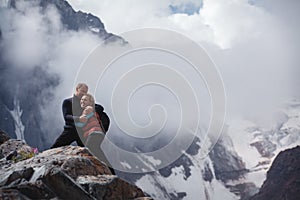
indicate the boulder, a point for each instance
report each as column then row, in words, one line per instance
column 69, row 172
column 109, row 187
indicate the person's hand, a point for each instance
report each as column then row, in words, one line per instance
column 83, row 119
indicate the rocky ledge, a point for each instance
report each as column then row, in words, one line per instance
column 68, row 172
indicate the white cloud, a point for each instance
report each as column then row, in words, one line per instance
column 220, row 22
column 234, row 21
column 253, row 44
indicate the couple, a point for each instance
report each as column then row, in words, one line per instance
column 85, row 122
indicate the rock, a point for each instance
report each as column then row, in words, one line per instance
column 12, row 194
column 243, row 190
column 11, row 145
column 68, row 172
column 3, row 137
column 63, row 185
column 227, row 164
column 207, row 173
column 8, row 177
column 283, row 178
column 265, row 147
column 36, row 190
column 109, row 187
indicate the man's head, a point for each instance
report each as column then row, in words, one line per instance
column 81, row 89
column 87, row 100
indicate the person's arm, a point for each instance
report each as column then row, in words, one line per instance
column 68, row 112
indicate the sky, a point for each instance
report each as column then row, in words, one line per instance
column 253, row 43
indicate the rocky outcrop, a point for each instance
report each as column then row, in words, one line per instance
column 227, row 164
column 68, row 172
column 229, row 168
column 3, row 137
column 283, row 178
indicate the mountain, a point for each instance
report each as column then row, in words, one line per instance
column 237, row 165
column 76, row 21
column 68, row 172
column 283, row 178
column 27, row 89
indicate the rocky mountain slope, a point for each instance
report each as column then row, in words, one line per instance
column 283, row 178
column 68, row 172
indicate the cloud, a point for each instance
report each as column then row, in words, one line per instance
column 254, row 44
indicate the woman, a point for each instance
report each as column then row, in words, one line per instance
column 91, row 128
column 90, row 122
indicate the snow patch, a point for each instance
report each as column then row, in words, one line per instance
column 125, row 165
column 4, row 3
column 16, row 114
column 96, row 30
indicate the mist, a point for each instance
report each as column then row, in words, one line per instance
column 254, row 45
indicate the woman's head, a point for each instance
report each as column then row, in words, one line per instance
column 87, row 100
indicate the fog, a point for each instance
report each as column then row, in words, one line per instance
column 254, row 45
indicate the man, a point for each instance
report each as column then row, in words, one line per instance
column 72, row 113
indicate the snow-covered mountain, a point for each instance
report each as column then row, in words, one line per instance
column 236, row 167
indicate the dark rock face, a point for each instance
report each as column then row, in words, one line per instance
column 227, row 164
column 183, row 161
column 207, row 173
column 108, row 187
column 243, row 190
column 3, row 137
column 265, row 147
column 283, row 178
column 68, row 172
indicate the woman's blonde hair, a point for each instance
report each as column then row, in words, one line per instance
column 91, row 99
